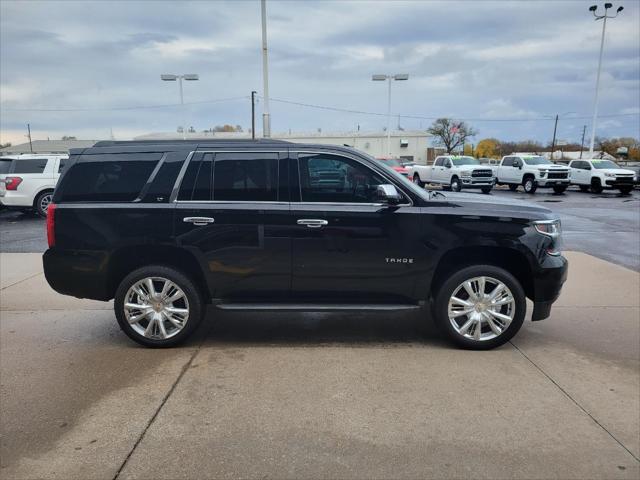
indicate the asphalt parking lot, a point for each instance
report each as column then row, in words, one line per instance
column 326, row 395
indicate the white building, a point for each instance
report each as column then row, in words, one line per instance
column 409, row 145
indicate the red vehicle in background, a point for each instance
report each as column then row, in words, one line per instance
column 395, row 164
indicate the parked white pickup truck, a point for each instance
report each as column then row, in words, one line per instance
column 596, row 175
column 454, row 173
column 532, row 171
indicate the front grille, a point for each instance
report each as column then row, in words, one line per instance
column 558, row 174
column 624, row 179
column 482, row 173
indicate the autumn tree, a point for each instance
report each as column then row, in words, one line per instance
column 488, row 148
column 450, row 133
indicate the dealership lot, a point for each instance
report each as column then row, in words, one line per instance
column 327, row 395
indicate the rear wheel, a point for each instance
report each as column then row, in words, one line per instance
column 417, row 181
column 480, row 307
column 626, row 190
column 41, row 203
column 529, row 184
column 487, row 190
column 560, row 188
column 513, row 187
column 456, row 184
column 584, row 188
column 596, row 186
column 157, row 306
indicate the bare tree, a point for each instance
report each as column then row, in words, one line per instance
column 451, row 133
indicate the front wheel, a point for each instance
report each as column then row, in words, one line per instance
column 456, row 185
column 559, row 189
column 529, row 185
column 417, row 181
column 626, row 190
column 41, row 203
column 596, row 186
column 157, row 306
column 486, row 190
column 480, row 307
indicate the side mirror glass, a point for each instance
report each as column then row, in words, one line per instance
column 447, row 165
column 388, row 194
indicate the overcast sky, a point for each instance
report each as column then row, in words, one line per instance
column 474, row 60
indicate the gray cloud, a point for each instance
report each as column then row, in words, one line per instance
column 507, row 59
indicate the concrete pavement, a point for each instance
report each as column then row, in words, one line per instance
column 319, row 395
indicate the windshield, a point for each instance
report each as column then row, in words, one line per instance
column 536, row 161
column 601, row 164
column 457, row 161
column 392, row 162
column 5, row 165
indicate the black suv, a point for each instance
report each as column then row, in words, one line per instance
column 166, row 227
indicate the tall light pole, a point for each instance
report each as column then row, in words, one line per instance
column 266, row 118
column 167, row 77
column 604, row 17
column 383, row 78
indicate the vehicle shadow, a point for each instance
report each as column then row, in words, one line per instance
column 317, row 329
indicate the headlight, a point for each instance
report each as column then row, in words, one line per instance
column 465, row 174
column 550, row 228
column 610, row 175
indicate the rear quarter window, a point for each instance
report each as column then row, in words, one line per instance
column 5, row 165
column 107, row 178
column 29, row 165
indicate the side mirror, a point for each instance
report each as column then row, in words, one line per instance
column 447, row 165
column 388, row 194
column 588, row 167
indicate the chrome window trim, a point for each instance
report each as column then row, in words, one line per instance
column 234, row 202
column 356, row 159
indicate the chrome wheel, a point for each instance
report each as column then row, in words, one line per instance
column 481, row 308
column 45, row 200
column 156, row 308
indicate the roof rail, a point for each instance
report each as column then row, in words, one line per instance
column 261, row 141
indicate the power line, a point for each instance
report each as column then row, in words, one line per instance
column 136, row 107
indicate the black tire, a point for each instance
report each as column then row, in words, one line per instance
column 596, row 186
column 559, row 189
column 530, row 185
column 487, row 190
column 456, row 184
column 584, row 188
column 195, row 304
column 626, row 190
column 513, row 187
column 42, row 201
column 417, row 181
column 444, row 293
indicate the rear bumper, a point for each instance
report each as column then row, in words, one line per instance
column 548, row 281
column 13, row 199
column 80, row 274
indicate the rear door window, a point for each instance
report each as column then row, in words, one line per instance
column 108, row 178
column 246, row 177
column 29, row 165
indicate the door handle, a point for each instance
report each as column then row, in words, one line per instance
column 199, row 221
column 312, row 222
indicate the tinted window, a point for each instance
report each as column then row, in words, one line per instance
column 61, row 164
column 5, row 165
column 245, row 177
column 507, row 162
column 335, row 179
column 189, row 179
column 30, row 165
column 202, row 188
column 438, row 162
column 114, row 181
column 164, row 181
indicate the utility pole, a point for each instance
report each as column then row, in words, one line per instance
column 29, row 135
column 584, row 130
column 553, row 142
column 266, row 118
column 604, row 17
column 253, row 114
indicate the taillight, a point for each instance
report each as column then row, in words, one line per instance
column 11, row 183
column 51, row 225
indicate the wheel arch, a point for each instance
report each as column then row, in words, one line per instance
column 513, row 261
column 40, row 192
column 127, row 259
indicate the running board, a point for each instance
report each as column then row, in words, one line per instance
column 316, row 307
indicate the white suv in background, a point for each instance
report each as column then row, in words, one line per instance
column 596, row 175
column 27, row 181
